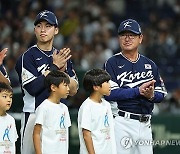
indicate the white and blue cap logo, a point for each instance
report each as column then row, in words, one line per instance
column 48, row 16
column 129, row 25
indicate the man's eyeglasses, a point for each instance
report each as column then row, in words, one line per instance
column 130, row 36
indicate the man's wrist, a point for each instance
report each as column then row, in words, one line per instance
column 46, row 73
column 54, row 67
column 151, row 98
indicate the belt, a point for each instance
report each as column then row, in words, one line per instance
column 141, row 118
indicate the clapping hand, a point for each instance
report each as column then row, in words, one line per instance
column 147, row 89
column 3, row 55
column 60, row 58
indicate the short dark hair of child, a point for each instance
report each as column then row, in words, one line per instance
column 5, row 87
column 95, row 77
column 56, row 77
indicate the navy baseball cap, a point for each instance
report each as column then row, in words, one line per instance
column 48, row 16
column 129, row 25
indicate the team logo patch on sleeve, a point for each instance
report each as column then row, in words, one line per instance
column 162, row 82
column 147, row 66
column 24, row 75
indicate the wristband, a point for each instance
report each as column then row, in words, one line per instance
column 53, row 67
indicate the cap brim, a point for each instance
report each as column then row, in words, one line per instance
column 129, row 30
column 44, row 19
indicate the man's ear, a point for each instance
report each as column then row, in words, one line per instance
column 56, row 30
column 141, row 38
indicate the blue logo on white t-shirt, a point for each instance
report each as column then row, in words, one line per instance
column 106, row 123
column 62, row 121
column 6, row 133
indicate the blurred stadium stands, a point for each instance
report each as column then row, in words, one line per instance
column 89, row 28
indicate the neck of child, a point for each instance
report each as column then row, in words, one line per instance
column 45, row 46
column 54, row 99
column 2, row 113
column 96, row 97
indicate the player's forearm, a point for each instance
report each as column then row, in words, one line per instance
column 35, row 86
column 4, row 79
column 158, row 97
column 73, row 86
column 123, row 94
column 88, row 141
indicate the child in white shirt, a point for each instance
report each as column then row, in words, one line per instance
column 8, row 130
column 50, row 135
column 95, row 119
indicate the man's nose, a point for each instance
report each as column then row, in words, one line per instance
column 43, row 28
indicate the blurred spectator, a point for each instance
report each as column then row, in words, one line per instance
column 10, row 67
column 70, row 24
column 172, row 102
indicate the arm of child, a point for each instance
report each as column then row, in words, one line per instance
column 88, row 141
column 37, row 139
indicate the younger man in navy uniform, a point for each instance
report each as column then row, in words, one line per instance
column 32, row 68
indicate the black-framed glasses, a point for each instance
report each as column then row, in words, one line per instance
column 130, row 36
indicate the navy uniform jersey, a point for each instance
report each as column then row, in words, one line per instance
column 4, row 72
column 30, row 67
column 126, row 77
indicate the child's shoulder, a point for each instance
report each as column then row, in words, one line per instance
column 105, row 102
column 63, row 105
column 9, row 117
column 86, row 103
column 44, row 103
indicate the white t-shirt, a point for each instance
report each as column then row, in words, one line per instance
column 55, row 121
column 8, row 134
column 97, row 118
